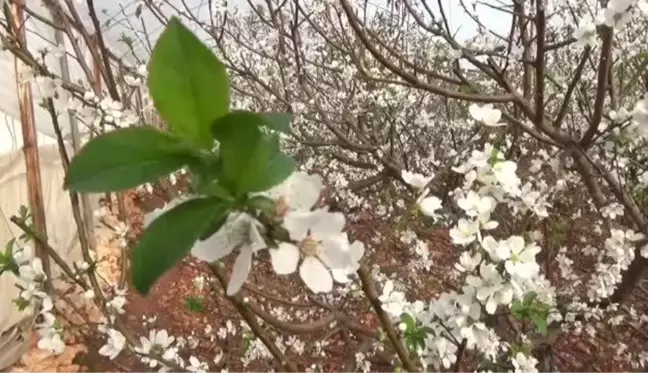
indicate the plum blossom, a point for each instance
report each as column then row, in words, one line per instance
column 465, row 232
column 523, row 363
column 240, row 231
column 51, row 341
column 418, row 181
column 620, row 245
column 159, row 342
column 519, row 260
column 534, row 201
column 31, row 290
column 33, row 271
column 357, row 249
column 196, row 365
column 118, row 301
column 475, row 205
column 320, row 243
column 393, row 302
column 642, row 5
column 616, row 13
column 455, row 54
column 476, row 334
column 489, row 287
column 468, row 306
column 585, row 34
column 429, row 206
column 467, row 262
column 132, row 81
column 22, row 254
column 114, row 345
column 299, row 192
column 48, row 86
column 504, row 172
column 612, row 211
column 486, row 114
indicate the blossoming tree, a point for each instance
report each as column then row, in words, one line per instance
column 503, row 139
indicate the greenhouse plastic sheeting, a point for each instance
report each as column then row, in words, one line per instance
column 62, row 235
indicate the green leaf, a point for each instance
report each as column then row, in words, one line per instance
column 23, row 211
column 9, row 248
column 124, row 159
column 420, row 342
column 204, row 173
column 278, row 121
column 214, row 226
column 251, row 159
column 215, row 189
column 541, row 323
column 530, row 297
column 427, row 330
column 279, row 168
column 188, row 84
column 170, row 237
column 264, row 204
column 409, row 321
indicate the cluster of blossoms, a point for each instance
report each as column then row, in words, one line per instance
column 620, row 252
column 32, row 282
column 158, row 350
column 90, row 109
column 499, row 272
column 496, row 272
column 316, row 244
column 158, row 345
column 616, row 14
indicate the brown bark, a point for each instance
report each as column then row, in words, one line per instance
column 30, row 145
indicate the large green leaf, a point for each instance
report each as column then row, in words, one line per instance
column 125, row 158
column 251, row 159
column 188, row 84
column 170, row 237
column 278, row 121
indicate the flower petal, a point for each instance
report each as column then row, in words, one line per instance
column 304, row 191
column 297, row 223
column 256, row 239
column 326, row 223
column 284, row 258
column 335, row 252
column 357, row 249
column 430, row 205
column 240, row 270
column 213, row 248
column 315, row 275
column 223, row 242
column 340, row 275
column 491, row 306
column 300, row 191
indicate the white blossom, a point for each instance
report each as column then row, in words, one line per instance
column 418, row 181
column 393, row 302
column 486, row 114
column 114, row 345
column 320, row 242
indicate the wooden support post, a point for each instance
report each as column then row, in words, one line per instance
column 88, row 215
column 30, row 143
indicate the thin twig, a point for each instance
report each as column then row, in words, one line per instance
column 369, row 287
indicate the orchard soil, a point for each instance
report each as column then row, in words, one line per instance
column 331, row 348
